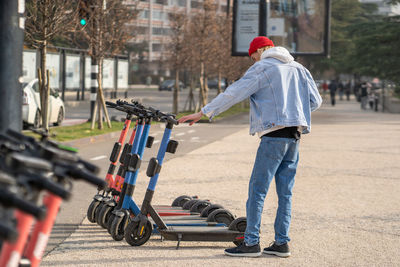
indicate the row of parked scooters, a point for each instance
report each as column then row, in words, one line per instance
column 186, row 219
column 35, row 176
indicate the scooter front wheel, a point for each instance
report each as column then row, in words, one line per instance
column 91, row 212
column 117, row 229
column 135, row 236
column 98, row 210
column 104, row 215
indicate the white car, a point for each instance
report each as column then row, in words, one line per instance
column 31, row 110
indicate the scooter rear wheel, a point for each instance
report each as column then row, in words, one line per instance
column 131, row 233
column 199, row 206
column 221, row 216
column 189, row 204
column 104, row 215
column 238, row 224
column 91, row 212
column 180, row 201
column 210, row 209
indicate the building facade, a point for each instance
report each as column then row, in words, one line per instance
column 152, row 30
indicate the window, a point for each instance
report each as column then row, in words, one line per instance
column 160, row 31
column 142, row 30
column 144, row 14
column 195, row 4
column 160, row 2
column 159, row 15
column 156, row 47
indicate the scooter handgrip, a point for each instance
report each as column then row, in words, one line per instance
column 55, row 188
column 20, row 136
column 79, row 173
column 9, row 199
column 90, row 166
column 8, row 233
column 111, row 104
column 19, row 161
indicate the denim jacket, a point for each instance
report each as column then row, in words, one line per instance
column 282, row 93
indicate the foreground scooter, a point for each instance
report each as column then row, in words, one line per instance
column 139, row 229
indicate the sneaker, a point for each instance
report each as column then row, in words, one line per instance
column 277, row 250
column 244, row 251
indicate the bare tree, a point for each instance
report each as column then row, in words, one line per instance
column 200, row 36
column 177, row 55
column 106, row 34
column 46, row 19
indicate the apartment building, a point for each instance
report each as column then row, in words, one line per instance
column 153, row 27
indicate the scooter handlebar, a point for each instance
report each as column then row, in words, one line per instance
column 8, row 198
column 8, row 233
column 18, row 161
column 111, row 104
column 89, row 166
column 80, row 173
column 50, row 186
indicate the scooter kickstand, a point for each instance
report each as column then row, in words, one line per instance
column 179, row 241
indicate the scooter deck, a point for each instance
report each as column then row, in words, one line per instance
column 185, row 218
column 213, row 234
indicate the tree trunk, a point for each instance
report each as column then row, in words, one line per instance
column 202, row 86
column 176, row 93
column 44, row 88
column 101, row 101
column 219, row 82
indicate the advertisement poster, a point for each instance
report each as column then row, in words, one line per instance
column 245, row 27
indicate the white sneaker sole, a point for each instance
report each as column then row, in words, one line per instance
column 250, row 255
column 279, row 254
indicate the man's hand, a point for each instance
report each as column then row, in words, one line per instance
column 195, row 117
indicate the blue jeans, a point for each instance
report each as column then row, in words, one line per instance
column 275, row 157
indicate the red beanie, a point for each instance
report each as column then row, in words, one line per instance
column 258, row 42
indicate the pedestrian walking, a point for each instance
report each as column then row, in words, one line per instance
column 324, row 89
column 333, row 86
column 347, row 89
column 364, row 95
column 341, row 90
column 282, row 96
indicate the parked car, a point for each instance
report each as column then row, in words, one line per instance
column 213, row 84
column 31, row 110
column 169, row 85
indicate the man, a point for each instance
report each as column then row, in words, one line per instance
column 333, row 86
column 282, row 95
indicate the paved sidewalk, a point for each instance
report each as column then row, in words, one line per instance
column 346, row 199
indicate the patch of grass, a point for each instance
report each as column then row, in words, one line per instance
column 68, row 133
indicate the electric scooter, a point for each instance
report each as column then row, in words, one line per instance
column 115, row 154
column 29, row 163
column 139, row 229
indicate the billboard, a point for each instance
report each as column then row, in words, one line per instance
column 301, row 26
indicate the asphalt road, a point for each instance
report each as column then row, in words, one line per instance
column 78, row 110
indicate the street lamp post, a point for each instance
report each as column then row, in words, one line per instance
column 11, row 42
